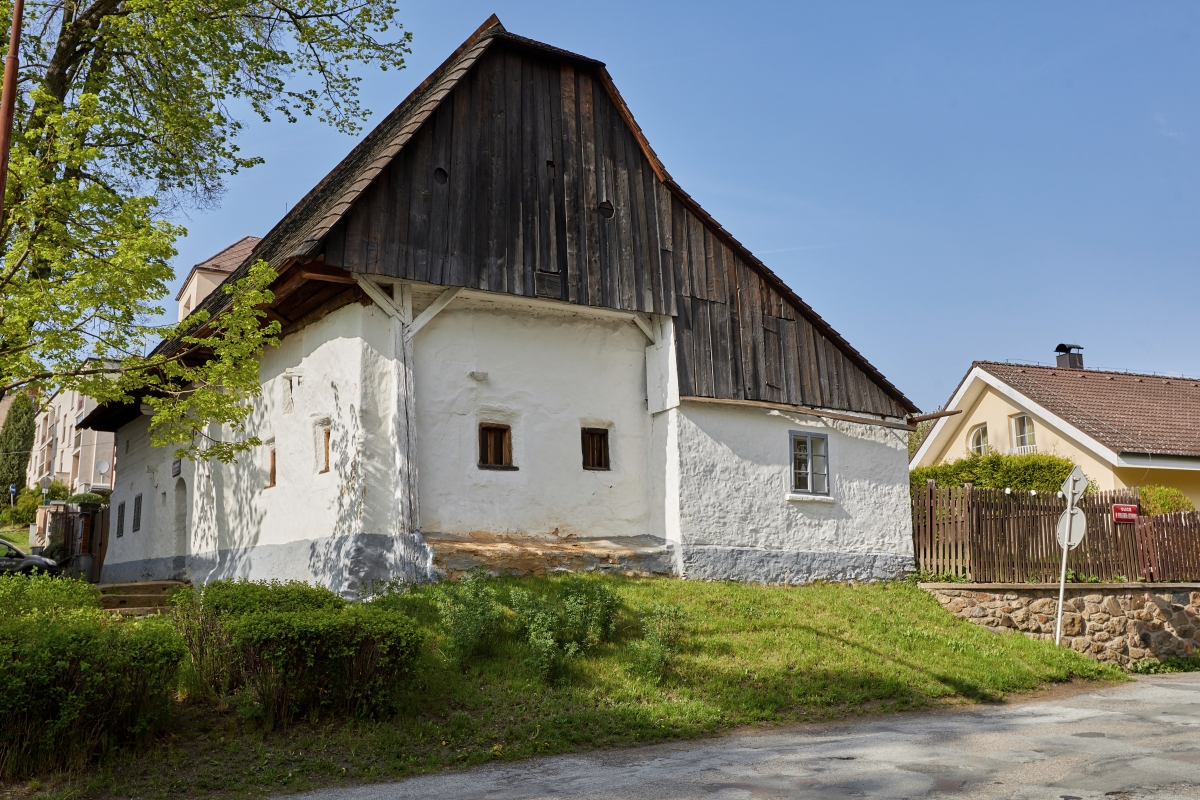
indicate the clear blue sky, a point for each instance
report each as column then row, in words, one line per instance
column 943, row 182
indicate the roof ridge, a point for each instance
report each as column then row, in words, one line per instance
column 1070, row 370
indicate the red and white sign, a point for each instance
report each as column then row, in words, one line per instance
column 1124, row 513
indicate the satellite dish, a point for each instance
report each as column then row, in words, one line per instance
column 102, row 467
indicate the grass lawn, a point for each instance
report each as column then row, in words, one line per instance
column 750, row 655
column 18, row 536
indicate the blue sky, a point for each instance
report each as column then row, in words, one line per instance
column 943, row 182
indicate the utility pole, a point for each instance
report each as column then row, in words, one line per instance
column 8, row 99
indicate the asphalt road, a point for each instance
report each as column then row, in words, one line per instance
column 1129, row 741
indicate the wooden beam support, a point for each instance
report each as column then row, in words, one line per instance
column 376, row 293
column 320, row 272
column 647, row 326
column 937, row 415
column 812, row 412
column 434, row 309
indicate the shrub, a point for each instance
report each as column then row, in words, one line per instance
column 244, row 596
column 201, row 614
column 563, row 625
column 78, row 682
column 298, row 663
column 662, row 628
column 24, row 511
column 87, row 497
column 470, row 615
column 41, row 593
column 1038, row 472
column 1163, row 500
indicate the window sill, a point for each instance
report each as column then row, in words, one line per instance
column 797, row 497
column 498, row 467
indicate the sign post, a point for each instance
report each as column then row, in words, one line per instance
column 12, row 494
column 1072, row 526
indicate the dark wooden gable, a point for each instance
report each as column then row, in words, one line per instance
column 506, row 188
column 502, row 190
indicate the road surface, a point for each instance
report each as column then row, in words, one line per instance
column 1135, row 740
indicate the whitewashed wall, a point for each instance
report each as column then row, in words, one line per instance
column 708, row 481
column 550, row 372
column 335, row 527
column 736, row 520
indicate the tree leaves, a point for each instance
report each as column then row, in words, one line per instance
column 125, row 116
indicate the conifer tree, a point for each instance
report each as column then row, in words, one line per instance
column 16, row 440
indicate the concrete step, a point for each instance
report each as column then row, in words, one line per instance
column 163, row 588
column 133, row 600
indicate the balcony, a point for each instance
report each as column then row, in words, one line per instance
column 1023, row 450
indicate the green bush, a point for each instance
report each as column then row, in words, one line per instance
column 662, row 628
column 77, row 683
column 562, row 625
column 1163, row 500
column 242, row 596
column 1037, row 472
column 87, row 497
column 471, row 617
column 42, row 594
column 297, row 663
column 201, row 614
column 24, row 510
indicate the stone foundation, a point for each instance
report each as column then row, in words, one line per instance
column 1114, row 622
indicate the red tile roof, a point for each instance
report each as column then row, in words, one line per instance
column 226, row 260
column 1126, row 412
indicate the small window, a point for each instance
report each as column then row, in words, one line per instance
column 325, row 462
column 1023, row 431
column 595, row 448
column 120, row 519
column 810, row 463
column 137, row 514
column 495, row 447
column 271, row 470
column 979, row 440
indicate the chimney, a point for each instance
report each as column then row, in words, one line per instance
column 1069, row 357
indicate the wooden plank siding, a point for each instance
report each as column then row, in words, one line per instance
column 501, row 189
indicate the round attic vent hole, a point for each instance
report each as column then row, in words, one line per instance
column 440, row 175
column 607, row 210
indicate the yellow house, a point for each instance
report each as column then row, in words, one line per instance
column 1122, row 428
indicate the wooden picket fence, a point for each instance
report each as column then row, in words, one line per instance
column 999, row 536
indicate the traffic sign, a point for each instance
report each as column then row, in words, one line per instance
column 12, row 488
column 1072, row 526
column 1075, row 483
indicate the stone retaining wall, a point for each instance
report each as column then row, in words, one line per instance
column 1116, row 622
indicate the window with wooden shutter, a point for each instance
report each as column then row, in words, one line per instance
column 495, row 447
column 595, row 448
column 121, row 519
column 325, row 437
column 271, row 470
column 137, row 514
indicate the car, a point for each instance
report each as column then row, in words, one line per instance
column 13, row 560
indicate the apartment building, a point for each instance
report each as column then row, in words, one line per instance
column 82, row 459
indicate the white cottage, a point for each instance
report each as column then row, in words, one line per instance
column 510, row 339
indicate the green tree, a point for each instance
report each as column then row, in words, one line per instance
column 16, row 440
column 127, row 114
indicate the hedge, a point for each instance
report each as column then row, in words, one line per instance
column 1037, row 472
column 41, row 593
column 77, row 682
column 298, row 664
column 1163, row 500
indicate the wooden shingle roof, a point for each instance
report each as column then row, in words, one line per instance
column 785, row 351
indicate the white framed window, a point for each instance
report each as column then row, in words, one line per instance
column 810, row 463
column 1022, row 433
column 978, row 440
